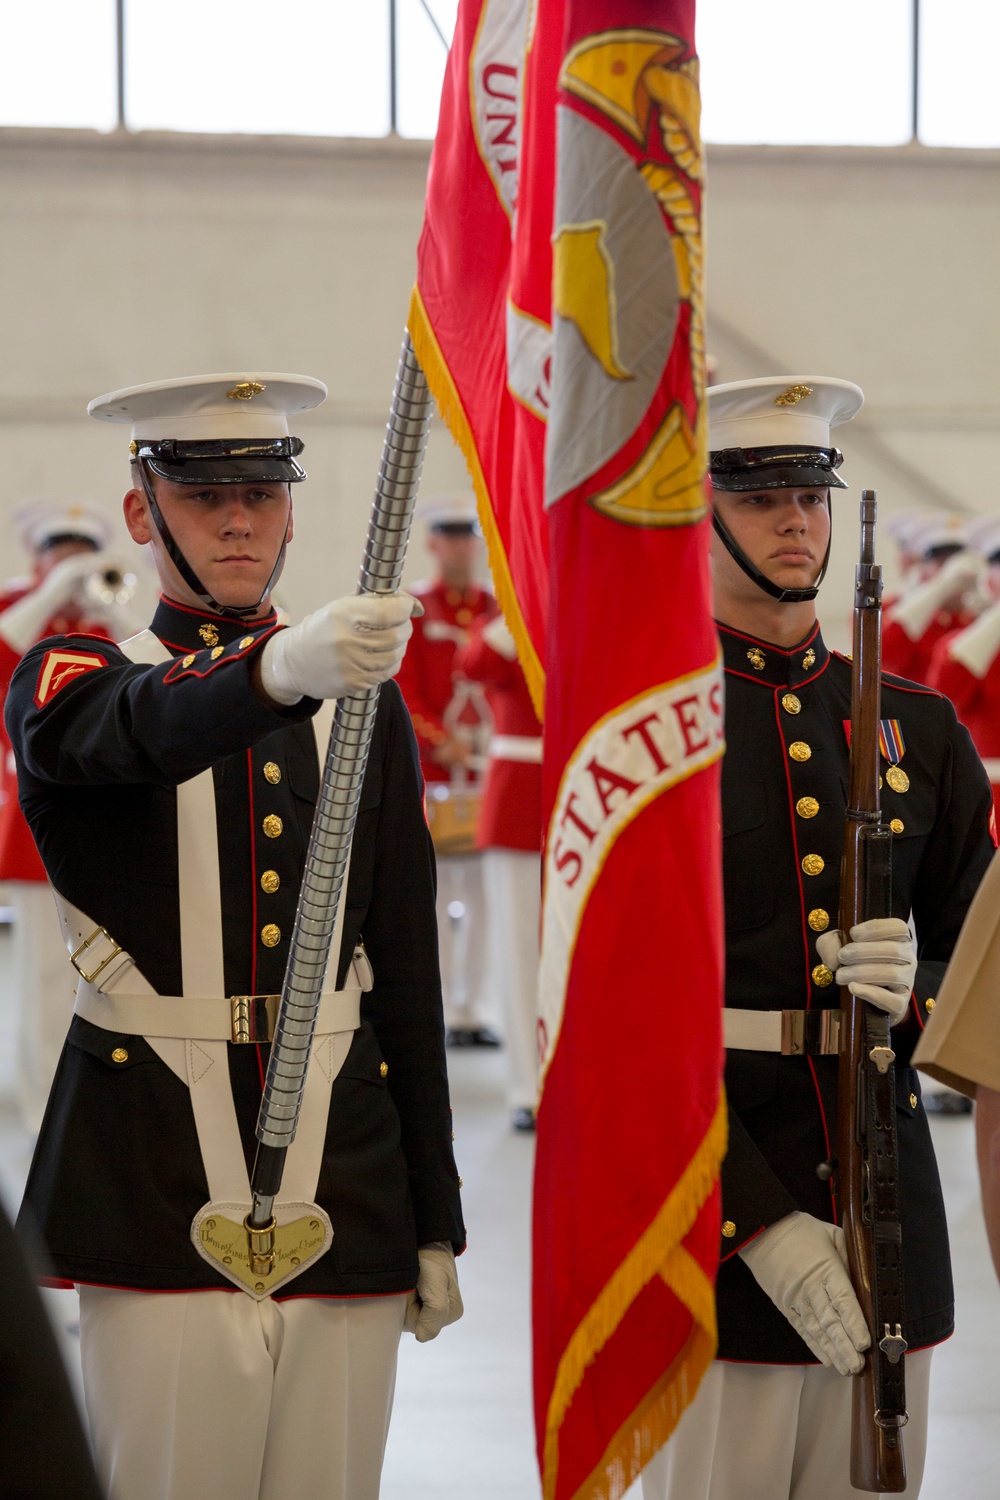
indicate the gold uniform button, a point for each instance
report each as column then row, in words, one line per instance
column 270, row 881
column 929, row 1004
column 247, row 640
column 119, row 1055
column 813, row 864
column 807, row 807
column 217, row 652
column 383, row 1069
column 461, row 1182
column 913, row 1101
column 188, row 660
column 897, row 779
column 729, row 1229
column 798, row 750
column 270, row 935
column 791, row 704
column 822, row 976
column 272, row 826
column 272, row 772
column 897, row 825
column 818, row 919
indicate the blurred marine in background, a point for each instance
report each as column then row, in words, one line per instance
column 68, row 592
column 451, row 723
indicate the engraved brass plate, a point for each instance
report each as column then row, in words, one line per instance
column 227, row 1242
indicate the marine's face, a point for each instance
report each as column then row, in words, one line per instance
column 456, row 555
column 230, row 534
column 785, row 533
column 48, row 557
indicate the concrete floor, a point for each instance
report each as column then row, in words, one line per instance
column 462, row 1425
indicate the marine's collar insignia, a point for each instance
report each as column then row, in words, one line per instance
column 792, row 395
column 756, row 658
column 809, row 660
column 209, row 634
column 246, row 390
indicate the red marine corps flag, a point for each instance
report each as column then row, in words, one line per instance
column 559, row 317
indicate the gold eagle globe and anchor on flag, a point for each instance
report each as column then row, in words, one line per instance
column 567, row 355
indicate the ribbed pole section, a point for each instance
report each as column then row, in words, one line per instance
column 340, row 793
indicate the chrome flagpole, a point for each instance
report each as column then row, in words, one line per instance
column 336, row 813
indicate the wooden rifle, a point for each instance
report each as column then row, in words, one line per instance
column 867, row 1173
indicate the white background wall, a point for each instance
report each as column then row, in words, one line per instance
column 124, row 260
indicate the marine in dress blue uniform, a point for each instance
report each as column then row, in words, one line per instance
column 106, row 746
column 770, row 1420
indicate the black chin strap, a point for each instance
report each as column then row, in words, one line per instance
column 783, row 596
column 190, row 577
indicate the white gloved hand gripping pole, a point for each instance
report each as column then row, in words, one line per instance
column 336, row 813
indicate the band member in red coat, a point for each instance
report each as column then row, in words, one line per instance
column 942, row 599
column 965, row 665
column 65, row 544
column 510, row 836
column 451, row 724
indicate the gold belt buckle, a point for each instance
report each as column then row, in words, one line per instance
column 793, row 1033
column 253, row 1017
column 95, row 936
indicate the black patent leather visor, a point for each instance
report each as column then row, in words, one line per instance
column 776, row 468
column 224, row 460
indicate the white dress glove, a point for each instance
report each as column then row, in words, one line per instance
column 919, row 605
column 801, row 1263
column 437, row 1300
column 878, row 964
column 346, row 647
column 22, row 624
column 976, row 647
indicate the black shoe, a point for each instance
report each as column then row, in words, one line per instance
column 485, row 1036
column 947, row 1102
column 523, row 1119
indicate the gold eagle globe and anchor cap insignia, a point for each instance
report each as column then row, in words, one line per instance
column 627, row 281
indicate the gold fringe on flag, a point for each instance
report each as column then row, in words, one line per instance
column 449, row 404
column 658, row 1252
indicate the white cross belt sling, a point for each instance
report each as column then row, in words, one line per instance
column 191, row 1034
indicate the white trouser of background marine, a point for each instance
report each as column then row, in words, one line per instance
column 512, row 881
column 461, row 919
column 44, row 986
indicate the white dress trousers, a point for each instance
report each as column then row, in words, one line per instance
column 513, row 882
column 45, row 988
column 270, row 1400
column 777, row 1432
